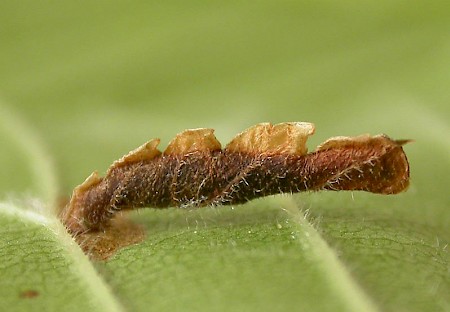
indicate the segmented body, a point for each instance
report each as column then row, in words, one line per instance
column 206, row 176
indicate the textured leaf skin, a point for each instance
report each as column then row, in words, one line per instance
column 38, row 270
column 387, row 256
column 93, row 80
column 249, row 258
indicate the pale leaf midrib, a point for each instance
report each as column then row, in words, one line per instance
column 41, row 164
column 353, row 296
column 81, row 266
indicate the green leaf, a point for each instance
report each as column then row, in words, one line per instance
column 27, row 167
column 42, row 269
column 83, row 83
column 258, row 257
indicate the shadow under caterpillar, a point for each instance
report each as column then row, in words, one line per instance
column 263, row 160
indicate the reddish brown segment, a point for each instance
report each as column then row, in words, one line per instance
column 29, row 294
column 228, row 176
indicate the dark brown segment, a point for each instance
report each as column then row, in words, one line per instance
column 222, row 177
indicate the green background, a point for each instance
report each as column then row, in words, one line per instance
column 82, row 83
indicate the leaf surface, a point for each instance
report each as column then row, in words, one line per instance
column 43, row 269
column 83, row 83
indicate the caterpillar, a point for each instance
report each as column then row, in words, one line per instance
column 263, row 160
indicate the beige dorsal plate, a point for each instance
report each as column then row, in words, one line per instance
column 283, row 138
column 79, row 191
column 146, row 151
column 90, row 181
column 343, row 141
column 193, row 140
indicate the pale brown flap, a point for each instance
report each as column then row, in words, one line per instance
column 193, row 140
column 283, row 138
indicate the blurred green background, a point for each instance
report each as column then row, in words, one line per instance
column 95, row 79
column 91, row 80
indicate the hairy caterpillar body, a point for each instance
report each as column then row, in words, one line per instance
column 263, row 160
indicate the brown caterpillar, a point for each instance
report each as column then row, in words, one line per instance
column 263, row 160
